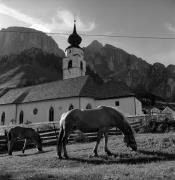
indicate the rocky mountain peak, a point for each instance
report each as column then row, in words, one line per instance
column 95, row 46
column 14, row 40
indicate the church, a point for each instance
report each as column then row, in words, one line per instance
column 46, row 102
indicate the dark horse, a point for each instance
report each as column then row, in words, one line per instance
column 100, row 120
column 23, row 133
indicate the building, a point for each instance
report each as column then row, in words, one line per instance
column 155, row 111
column 46, row 102
column 169, row 112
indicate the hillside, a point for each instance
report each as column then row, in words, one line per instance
column 112, row 63
column 32, row 66
column 14, row 40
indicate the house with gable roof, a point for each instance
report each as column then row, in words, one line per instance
column 169, row 112
column 46, row 102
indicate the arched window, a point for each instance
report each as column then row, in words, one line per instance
column 21, row 117
column 51, row 114
column 35, row 111
column 3, row 118
column 81, row 65
column 88, row 106
column 70, row 64
column 71, row 107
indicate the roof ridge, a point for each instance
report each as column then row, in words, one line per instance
column 36, row 85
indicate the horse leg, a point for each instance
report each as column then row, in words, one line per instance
column 24, row 147
column 64, row 145
column 59, row 143
column 10, row 146
column 99, row 136
column 106, row 142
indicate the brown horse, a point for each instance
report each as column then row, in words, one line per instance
column 100, row 120
column 23, row 133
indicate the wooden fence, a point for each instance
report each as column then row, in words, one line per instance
column 50, row 130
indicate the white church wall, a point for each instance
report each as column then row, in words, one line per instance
column 138, row 107
column 85, row 101
column 126, row 104
column 59, row 105
column 10, row 113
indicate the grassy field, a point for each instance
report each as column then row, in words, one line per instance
column 155, row 159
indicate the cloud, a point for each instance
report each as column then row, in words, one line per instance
column 170, row 27
column 61, row 21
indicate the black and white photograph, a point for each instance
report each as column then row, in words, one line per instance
column 87, row 89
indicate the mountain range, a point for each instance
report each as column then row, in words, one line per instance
column 28, row 57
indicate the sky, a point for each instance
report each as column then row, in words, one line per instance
column 143, row 18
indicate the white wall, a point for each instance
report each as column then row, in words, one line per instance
column 59, row 105
column 85, row 101
column 138, row 107
column 10, row 113
column 129, row 105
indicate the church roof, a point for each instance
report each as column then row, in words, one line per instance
column 84, row 86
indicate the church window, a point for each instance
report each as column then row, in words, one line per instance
column 35, row 111
column 21, row 117
column 117, row 103
column 71, row 107
column 51, row 114
column 3, row 118
column 88, row 106
column 70, row 64
column 81, row 65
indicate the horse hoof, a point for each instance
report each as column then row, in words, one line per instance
column 109, row 154
column 93, row 155
column 66, row 156
column 60, row 157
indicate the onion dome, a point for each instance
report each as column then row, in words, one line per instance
column 74, row 39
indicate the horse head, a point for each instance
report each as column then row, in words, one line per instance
column 130, row 141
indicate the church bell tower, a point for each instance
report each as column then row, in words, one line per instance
column 74, row 64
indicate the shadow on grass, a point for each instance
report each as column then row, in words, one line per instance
column 38, row 152
column 125, row 159
column 24, row 155
column 5, row 176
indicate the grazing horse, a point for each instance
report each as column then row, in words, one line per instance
column 23, row 133
column 100, row 120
